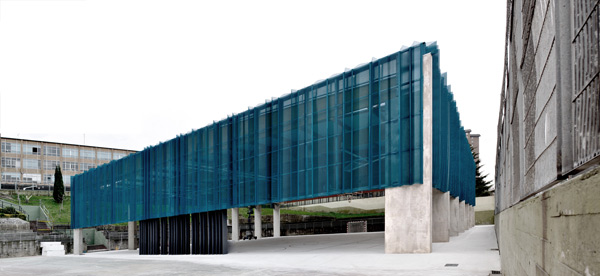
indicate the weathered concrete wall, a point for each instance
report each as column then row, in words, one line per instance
column 17, row 248
column 555, row 232
column 484, row 203
column 16, row 239
column 548, row 131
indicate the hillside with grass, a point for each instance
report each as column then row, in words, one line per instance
column 59, row 213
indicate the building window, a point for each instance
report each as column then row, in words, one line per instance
column 49, row 178
column 11, row 162
column 32, row 178
column 11, row 177
column 11, row 147
column 87, row 154
column 32, row 164
column 32, row 149
column 67, row 180
column 70, row 166
column 51, row 151
column 119, row 155
column 104, row 155
column 86, row 166
column 67, row 152
column 51, row 164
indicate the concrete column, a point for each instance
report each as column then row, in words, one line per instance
column 235, row 224
column 462, row 223
column 258, row 222
column 468, row 211
column 408, row 218
column 441, row 216
column 276, row 221
column 472, row 209
column 454, row 216
column 77, row 242
column 131, row 235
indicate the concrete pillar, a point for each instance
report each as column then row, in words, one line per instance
column 235, row 224
column 462, row 223
column 454, row 216
column 408, row 218
column 468, row 211
column 276, row 221
column 258, row 222
column 131, row 235
column 77, row 242
column 441, row 216
column 472, row 208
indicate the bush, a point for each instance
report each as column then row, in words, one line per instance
column 8, row 210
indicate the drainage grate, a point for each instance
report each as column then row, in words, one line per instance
column 452, row 265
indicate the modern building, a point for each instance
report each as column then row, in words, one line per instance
column 548, row 151
column 390, row 124
column 30, row 164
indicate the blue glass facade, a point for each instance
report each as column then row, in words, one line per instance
column 360, row 130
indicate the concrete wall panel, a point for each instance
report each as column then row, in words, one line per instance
column 555, row 232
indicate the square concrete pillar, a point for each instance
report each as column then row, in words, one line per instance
column 454, row 216
column 131, row 235
column 462, row 224
column 77, row 242
column 472, row 212
column 258, row 222
column 441, row 216
column 276, row 221
column 235, row 224
column 408, row 209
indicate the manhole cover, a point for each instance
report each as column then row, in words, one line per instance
column 451, row 265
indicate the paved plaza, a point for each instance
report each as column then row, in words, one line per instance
column 474, row 251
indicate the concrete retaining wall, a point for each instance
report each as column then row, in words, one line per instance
column 554, row 233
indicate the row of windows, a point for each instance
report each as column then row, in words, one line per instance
column 10, row 147
column 32, row 178
column 12, row 162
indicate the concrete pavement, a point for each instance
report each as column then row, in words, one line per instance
column 474, row 251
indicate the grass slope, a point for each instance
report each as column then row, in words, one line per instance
column 60, row 213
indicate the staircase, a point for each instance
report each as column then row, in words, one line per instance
column 40, row 226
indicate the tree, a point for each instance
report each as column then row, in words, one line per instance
column 59, row 187
column 482, row 187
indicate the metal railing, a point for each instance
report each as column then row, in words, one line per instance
column 47, row 215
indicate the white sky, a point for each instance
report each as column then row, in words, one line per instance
column 130, row 74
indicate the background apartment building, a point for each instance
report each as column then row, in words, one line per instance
column 31, row 163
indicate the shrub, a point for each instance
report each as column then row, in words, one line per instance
column 9, row 210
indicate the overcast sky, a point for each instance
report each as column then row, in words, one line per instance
column 130, row 74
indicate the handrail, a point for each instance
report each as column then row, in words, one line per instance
column 46, row 214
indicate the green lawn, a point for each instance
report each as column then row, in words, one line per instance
column 60, row 213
